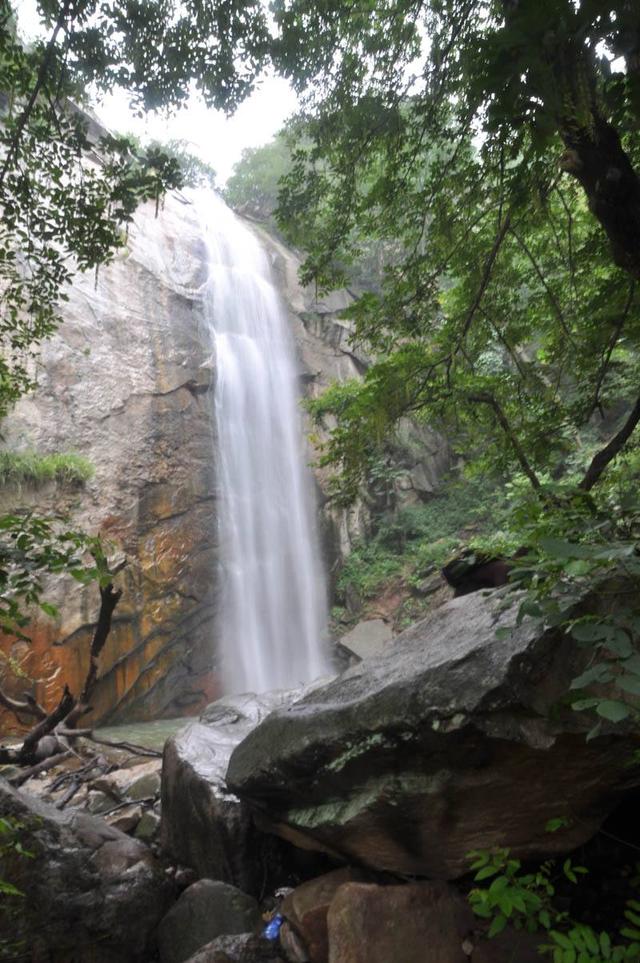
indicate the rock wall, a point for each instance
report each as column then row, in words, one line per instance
column 125, row 382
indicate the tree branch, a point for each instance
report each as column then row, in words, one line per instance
column 23, row 119
column 20, row 778
column 109, row 598
column 602, row 458
column 553, row 301
column 47, row 725
column 487, row 399
column 615, row 337
column 486, row 275
column 28, row 708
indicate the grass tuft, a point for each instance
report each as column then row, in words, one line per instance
column 30, row 468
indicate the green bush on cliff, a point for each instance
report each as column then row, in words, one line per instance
column 31, row 468
column 413, row 540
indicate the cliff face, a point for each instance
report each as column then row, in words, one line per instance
column 125, row 383
column 122, row 383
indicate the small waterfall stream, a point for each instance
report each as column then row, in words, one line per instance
column 272, row 614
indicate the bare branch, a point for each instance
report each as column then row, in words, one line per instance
column 47, row 724
column 487, row 399
column 486, row 275
column 43, row 766
column 89, row 734
column 606, row 455
column 23, row 119
column 28, row 708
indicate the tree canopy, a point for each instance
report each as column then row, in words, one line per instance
column 497, row 142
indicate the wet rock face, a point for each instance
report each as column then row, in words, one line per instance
column 237, row 949
column 446, row 744
column 122, row 383
column 204, row 825
column 125, row 382
column 92, row 892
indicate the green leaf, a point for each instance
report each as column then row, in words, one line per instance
column 581, row 704
column 497, row 925
column 600, row 672
column 563, row 941
column 558, row 548
column 612, row 710
column 594, row 732
column 553, row 825
column 632, row 665
column 8, row 889
column 629, row 683
column 590, row 631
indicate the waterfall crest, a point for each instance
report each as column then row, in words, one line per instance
column 272, row 612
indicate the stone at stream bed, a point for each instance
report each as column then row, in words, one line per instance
column 238, row 949
column 98, row 802
column 203, row 824
column 93, row 893
column 307, row 906
column 367, row 638
column 455, row 740
column 125, row 819
column 206, row 910
column 148, row 826
column 135, row 782
column 398, row 924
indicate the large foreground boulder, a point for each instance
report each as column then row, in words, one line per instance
column 453, row 740
column 204, row 825
column 91, row 894
column 206, row 910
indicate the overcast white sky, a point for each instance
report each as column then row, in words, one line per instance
column 217, row 139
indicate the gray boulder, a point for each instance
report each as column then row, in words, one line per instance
column 92, row 893
column 203, row 824
column 206, row 910
column 238, row 949
column 454, row 740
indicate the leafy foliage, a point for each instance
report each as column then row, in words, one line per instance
column 10, row 833
column 507, row 314
column 527, row 900
column 410, row 542
column 579, row 554
column 254, row 184
column 30, row 548
column 66, row 196
column 194, row 171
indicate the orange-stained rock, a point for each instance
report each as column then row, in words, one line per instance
column 122, row 383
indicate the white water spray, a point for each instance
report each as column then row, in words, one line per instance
column 273, row 611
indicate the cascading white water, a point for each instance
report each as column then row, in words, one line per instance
column 273, row 610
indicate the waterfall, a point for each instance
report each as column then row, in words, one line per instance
column 272, row 612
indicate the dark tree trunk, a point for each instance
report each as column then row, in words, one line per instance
column 596, row 158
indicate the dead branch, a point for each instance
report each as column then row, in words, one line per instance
column 89, row 734
column 487, row 399
column 42, row 766
column 61, row 723
column 47, row 725
column 29, row 707
column 109, row 598
column 606, row 455
column 127, row 802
